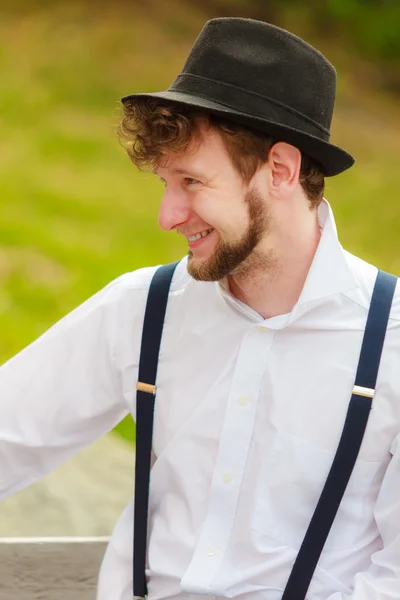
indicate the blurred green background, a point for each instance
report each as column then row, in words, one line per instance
column 74, row 213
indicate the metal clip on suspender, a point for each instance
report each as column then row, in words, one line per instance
column 343, row 463
column 145, row 397
column 350, row 441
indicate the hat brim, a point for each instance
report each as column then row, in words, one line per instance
column 333, row 160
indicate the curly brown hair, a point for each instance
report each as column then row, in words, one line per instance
column 151, row 129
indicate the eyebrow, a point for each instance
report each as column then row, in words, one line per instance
column 194, row 174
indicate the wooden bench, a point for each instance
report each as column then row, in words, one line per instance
column 50, row 568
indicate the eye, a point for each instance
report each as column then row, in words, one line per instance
column 190, row 181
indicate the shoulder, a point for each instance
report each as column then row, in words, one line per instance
column 124, row 298
column 130, row 290
column 140, row 279
column 365, row 276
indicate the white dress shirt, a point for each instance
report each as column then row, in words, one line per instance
column 247, row 421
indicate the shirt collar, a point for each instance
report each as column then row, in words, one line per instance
column 329, row 273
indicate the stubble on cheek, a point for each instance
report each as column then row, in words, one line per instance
column 238, row 257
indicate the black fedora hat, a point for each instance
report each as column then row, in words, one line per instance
column 263, row 77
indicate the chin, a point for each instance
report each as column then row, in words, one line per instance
column 195, row 267
column 201, row 271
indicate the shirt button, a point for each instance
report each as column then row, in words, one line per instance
column 261, row 328
column 243, row 400
column 211, row 550
column 227, row 477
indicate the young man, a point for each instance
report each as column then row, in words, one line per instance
column 260, row 347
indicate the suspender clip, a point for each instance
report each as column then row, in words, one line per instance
column 146, row 387
column 358, row 390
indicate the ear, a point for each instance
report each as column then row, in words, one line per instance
column 284, row 161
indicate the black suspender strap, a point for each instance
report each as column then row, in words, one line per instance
column 350, row 441
column 145, row 398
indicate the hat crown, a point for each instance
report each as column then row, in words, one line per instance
column 263, row 78
column 268, row 61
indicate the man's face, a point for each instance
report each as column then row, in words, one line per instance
column 206, row 200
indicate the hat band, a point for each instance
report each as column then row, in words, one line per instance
column 247, row 103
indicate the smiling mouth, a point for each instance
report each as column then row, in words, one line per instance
column 198, row 236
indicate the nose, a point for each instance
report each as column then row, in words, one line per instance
column 174, row 210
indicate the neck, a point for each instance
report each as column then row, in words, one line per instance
column 271, row 283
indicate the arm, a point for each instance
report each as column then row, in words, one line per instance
column 60, row 393
column 382, row 580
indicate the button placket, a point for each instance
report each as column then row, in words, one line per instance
column 230, row 463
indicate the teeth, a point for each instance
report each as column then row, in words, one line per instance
column 193, row 238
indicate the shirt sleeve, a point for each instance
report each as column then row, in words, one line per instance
column 60, row 393
column 382, row 580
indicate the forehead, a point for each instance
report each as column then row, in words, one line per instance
column 205, row 152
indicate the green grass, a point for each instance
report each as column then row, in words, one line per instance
column 74, row 213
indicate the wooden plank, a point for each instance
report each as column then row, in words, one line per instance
column 50, row 569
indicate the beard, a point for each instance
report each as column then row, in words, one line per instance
column 238, row 258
